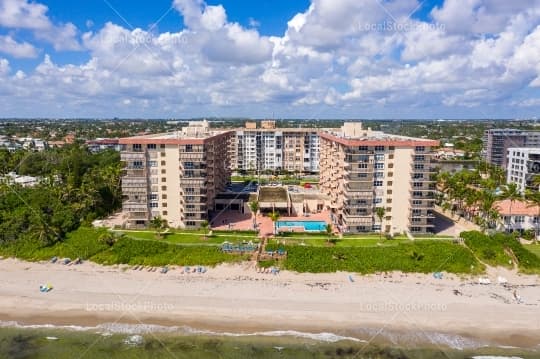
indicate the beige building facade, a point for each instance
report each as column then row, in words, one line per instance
column 361, row 170
column 175, row 175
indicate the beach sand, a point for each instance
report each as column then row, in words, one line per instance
column 235, row 298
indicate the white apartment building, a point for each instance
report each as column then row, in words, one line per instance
column 522, row 164
column 271, row 149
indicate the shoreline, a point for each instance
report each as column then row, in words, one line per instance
column 236, row 299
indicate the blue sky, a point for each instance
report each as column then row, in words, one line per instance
column 299, row 58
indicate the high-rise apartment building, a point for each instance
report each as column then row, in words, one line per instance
column 522, row 165
column 362, row 169
column 175, row 175
column 498, row 141
column 271, row 149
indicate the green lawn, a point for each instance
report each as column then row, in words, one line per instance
column 534, row 248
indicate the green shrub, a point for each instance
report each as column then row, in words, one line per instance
column 497, row 250
column 425, row 257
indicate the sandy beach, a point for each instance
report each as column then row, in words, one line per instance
column 237, row 299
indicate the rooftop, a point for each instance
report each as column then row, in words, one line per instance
column 516, row 208
column 353, row 134
column 273, row 194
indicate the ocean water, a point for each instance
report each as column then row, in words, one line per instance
column 147, row 341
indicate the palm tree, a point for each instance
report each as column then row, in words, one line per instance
column 204, row 225
column 534, row 201
column 274, row 216
column 380, row 212
column 254, row 206
column 536, row 181
column 511, row 192
column 329, row 231
column 158, row 224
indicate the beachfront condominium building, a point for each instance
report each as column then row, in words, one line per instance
column 361, row 170
column 269, row 149
column 496, row 143
column 175, row 175
column 522, row 165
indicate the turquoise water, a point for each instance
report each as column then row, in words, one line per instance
column 307, row 225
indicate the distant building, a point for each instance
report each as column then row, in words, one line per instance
column 449, row 153
column 174, row 175
column 25, row 181
column 268, row 125
column 361, row 170
column 522, row 165
column 498, row 141
column 517, row 216
column 275, row 149
column 102, row 144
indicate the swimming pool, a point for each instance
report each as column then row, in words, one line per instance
column 311, row 226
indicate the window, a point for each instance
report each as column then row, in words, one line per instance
column 164, row 204
column 163, row 154
column 389, row 191
column 388, row 218
column 153, row 197
column 377, row 183
column 390, row 165
column 165, row 213
column 163, row 171
column 519, row 219
column 163, row 179
column 190, row 223
column 362, row 165
column 378, row 175
column 152, row 163
column 417, row 184
column 379, row 166
column 154, row 205
column 377, row 200
column 362, row 148
column 418, row 166
column 151, row 146
column 419, row 158
column 137, row 147
column 189, row 148
column 389, row 200
column 189, row 165
column 379, row 157
column 389, row 183
column 163, row 188
column 163, row 163
column 419, row 148
column 162, row 146
column 417, row 202
column 164, row 196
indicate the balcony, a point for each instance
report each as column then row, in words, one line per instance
column 135, row 207
column 138, row 216
column 132, row 156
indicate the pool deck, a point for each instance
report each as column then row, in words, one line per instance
column 231, row 220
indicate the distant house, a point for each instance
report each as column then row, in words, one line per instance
column 102, row 144
column 517, row 216
column 449, row 153
column 25, row 181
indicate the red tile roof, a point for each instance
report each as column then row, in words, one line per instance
column 519, row 208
